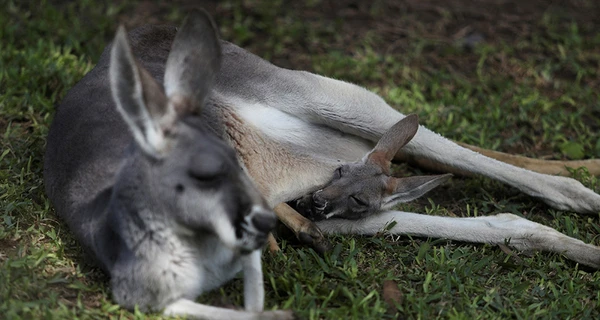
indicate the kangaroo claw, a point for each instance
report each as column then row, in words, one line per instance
column 311, row 235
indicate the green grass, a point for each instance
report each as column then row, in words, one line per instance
column 534, row 92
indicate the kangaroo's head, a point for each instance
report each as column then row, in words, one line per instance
column 360, row 189
column 181, row 176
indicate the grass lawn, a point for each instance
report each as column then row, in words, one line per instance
column 515, row 76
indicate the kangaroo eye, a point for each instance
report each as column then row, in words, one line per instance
column 358, row 201
column 207, row 168
column 205, row 175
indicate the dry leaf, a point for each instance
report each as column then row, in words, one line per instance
column 392, row 294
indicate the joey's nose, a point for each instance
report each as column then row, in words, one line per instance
column 319, row 202
column 264, row 223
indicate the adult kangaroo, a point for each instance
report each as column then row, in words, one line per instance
column 296, row 134
column 147, row 187
column 299, row 134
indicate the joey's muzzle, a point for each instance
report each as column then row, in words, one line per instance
column 312, row 206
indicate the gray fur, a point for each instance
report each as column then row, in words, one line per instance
column 156, row 198
column 363, row 188
column 290, row 131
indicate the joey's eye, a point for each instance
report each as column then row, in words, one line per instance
column 358, row 201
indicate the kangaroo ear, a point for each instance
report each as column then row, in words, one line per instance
column 391, row 141
column 400, row 190
column 193, row 63
column 139, row 98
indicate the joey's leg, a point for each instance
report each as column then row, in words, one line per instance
column 551, row 167
column 559, row 192
column 518, row 232
column 304, row 229
column 431, row 165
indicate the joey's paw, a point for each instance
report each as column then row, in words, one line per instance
column 311, row 235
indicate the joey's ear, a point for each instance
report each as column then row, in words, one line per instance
column 193, row 63
column 139, row 98
column 391, row 141
column 407, row 189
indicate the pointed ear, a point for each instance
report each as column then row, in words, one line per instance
column 193, row 63
column 139, row 98
column 407, row 189
column 391, row 141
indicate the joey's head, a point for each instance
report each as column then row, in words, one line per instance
column 360, row 189
column 193, row 182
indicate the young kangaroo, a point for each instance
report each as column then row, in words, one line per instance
column 145, row 184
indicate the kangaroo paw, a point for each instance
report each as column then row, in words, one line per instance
column 311, row 235
column 305, row 230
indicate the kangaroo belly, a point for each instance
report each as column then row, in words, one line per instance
column 302, row 137
column 286, row 156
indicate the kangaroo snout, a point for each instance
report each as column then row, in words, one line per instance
column 252, row 231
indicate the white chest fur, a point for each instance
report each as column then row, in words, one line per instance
column 286, row 156
column 300, row 136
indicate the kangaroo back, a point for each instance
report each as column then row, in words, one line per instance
column 89, row 140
